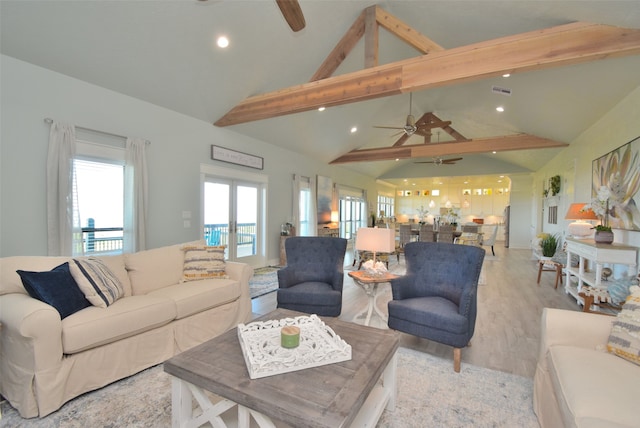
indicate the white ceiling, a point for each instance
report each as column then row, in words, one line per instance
column 164, row 52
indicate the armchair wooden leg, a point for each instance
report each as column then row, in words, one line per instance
column 456, row 359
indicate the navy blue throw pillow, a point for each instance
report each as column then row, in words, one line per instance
column 56, row 288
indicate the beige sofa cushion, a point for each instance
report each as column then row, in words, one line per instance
column 197, row 296
column 581, row 375
column 154, row 269
column 93, row 326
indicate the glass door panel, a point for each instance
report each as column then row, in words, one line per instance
column 232, row 218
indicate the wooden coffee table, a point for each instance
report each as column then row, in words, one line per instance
column 350, row 393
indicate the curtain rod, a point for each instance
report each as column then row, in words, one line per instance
column 50, row 121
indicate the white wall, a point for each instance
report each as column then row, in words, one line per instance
column 619, row 126
column 179, row 145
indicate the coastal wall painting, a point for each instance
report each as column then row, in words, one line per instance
column 325, row 199
column 619, row 170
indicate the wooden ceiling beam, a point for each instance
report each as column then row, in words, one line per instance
column 557, row 46
column 371, row 38
column 342, row 49
column 405, row 33
column 479, row 145
column 367, row 24
column 448, row 128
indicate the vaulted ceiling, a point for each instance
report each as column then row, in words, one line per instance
column 164, row 52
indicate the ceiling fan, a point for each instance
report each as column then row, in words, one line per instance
column 292, row 13
column 410, row 126
column 439, row 161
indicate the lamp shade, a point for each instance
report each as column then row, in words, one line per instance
column 375, row 239
column 580, row 229
column 577, row 212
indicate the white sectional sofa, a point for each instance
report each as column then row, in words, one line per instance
column 577, row 382
column 46, row 361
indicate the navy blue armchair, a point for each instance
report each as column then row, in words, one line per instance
column 437, row 298
column 313, row 279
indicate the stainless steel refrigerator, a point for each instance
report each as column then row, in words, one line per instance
column 507, row 210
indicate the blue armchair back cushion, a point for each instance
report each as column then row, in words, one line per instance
column 316, row 259
column 447, row 277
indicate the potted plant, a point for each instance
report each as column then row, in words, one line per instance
column 549, row 244
column 603, row 235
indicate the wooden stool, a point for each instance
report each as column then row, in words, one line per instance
column 551, row 266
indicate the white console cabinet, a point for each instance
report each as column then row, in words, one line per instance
column 592, row 258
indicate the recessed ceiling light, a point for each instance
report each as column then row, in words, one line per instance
column 506, row 75
column 500, row 109
column 397, row 159
column 321, row 108
column 502, row 176
column 354, row 129
column 494, row 152
column 222, row 42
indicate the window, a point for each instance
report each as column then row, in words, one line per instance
column 553, row 215
column 386, row 206
column 353, row 215
column 99, row 198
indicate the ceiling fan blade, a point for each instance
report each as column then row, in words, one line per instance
column 292, row 13
column 389, row 127
column 452, row 160
column 424, row 162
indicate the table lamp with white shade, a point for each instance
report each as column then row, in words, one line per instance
column 375, row 240
column 580, row 229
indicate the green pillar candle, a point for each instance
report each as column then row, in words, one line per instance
column 290, row 336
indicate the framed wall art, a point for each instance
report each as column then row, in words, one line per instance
column 233, row 156
column 325, row 199
column 619, row 171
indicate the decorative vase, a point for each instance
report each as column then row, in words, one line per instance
column 603, row 237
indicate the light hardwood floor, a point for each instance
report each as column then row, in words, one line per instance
column 509, row 309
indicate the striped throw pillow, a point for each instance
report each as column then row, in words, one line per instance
column 624, row 339
column 98, row 283
column 203, row 262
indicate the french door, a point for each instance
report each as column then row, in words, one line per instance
column 234, row 217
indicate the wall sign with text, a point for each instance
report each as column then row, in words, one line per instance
column 232, row 156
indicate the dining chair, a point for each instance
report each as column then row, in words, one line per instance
column 470, row 228
column 437, row 298
column 405, row 238
column 491, row 240
column 426, row 233
column 445, row 234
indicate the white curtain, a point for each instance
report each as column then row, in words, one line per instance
column 135, row 195
column 63, row 219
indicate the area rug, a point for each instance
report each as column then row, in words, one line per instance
column 430, row 394
column 264, row 281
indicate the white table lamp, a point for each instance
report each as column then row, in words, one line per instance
column 376, row 240
column 580, row 229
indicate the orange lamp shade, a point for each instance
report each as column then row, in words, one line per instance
column 577, row 212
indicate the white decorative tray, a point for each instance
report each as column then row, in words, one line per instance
column 319, row 345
